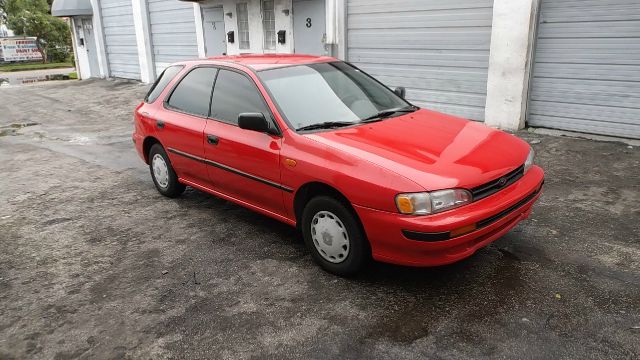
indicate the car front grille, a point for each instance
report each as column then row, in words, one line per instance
column 493, row 186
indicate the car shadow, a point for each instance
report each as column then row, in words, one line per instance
column 495, row 261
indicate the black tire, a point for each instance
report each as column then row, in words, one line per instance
column 173, row 188
column 358, row 254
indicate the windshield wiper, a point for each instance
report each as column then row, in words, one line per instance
column 375, row 117
column 326, row 125
column 388, row 112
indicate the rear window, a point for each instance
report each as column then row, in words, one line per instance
column 167, row 75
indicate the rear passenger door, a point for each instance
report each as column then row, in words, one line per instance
column 182, row 120
column 244, row 164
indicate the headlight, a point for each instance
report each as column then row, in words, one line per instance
column 432, row 202
column 529, row 162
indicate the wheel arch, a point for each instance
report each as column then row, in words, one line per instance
column 312, row 189
column 148, row 142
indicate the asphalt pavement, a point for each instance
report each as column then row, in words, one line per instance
column 94, row 263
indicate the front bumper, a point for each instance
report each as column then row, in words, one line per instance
column 396, row 238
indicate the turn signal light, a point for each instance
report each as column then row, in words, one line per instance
column 462, row 230
column 404, row 205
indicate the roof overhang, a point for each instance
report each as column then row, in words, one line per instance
column 71, row 8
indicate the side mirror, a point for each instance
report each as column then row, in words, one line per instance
column 255, row 122
column 400, row 91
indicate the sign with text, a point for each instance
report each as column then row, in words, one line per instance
column 19, row 49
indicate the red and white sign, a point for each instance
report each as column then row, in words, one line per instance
column 19, row 49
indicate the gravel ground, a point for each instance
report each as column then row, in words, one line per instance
column 94, row 263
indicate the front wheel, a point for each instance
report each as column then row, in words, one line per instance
column 334, row 237
column 162, row 173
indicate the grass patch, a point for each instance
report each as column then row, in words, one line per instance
column 33, row 66
column 73, row 75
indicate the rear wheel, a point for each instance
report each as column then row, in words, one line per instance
column 163, row 175
column 334, row 237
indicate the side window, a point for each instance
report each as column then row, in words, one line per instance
column 167, row 75
column 193, row 93
column 234, row 94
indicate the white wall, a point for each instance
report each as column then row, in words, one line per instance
column 283, row 22
column 341, row 29
column 512, row 36
column 99, row 35
column 143, row 40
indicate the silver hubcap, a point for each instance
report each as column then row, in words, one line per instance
column 330, row 237
column 160, row 170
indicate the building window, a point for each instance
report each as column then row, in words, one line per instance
column 243, row 26
column 269, row 25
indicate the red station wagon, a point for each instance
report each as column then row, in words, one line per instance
column 318, row 144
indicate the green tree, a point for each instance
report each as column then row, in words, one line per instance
column 3, row 14
column 33, row 18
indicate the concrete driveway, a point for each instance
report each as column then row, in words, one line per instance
column 94, row 263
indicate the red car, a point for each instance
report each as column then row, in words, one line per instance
column 318, row 144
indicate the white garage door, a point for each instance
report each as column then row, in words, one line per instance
column 120, row 39
column 586, row 75
column 438, row 50
column 173, row 32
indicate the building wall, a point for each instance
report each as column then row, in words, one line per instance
column 80, row 52
column 283, row 22
column 120, row 38
column 437, row 50
column 510, row 62
column 172, row 28
column 586, row 69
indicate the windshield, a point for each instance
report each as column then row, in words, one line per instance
column 325, row 93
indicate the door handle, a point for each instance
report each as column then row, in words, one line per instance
column 160, row 124
column 212, row 139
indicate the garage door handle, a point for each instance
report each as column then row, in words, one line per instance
column 212, row 139
column 160, row 124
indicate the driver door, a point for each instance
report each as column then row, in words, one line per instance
column 243, row 164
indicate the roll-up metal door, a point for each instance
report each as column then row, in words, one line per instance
column 438, row 50
column 586, row 73
column 173, row 32
column 120, row 39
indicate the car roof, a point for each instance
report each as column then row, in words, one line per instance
column 259, row 62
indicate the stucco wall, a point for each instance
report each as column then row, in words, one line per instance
column 512, row 37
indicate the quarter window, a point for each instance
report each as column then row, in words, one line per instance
column 243, row 26
column 234, row 94
column 193, row 93
column 269, row 25
column 165, row 78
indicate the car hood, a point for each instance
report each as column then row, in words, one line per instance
column 435, row 150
